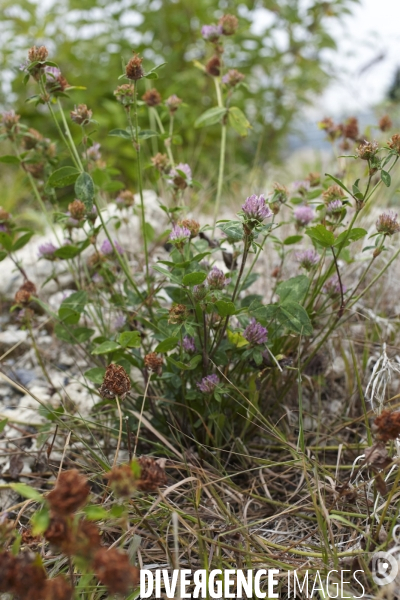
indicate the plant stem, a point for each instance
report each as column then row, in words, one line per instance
column 69, row 136
column 161, row 127
column 136, row 144
column 221, row 156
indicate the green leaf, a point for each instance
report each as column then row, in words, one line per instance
column 22, row 241
column 236, row 339
column 189, row 367
column 194, row 278
column 225, row 309
column 291, row 315
column 6, row 241
column 151, row 75
column 63, row 177
column 292, row 239
column 355, row 234
column 293, row 289
column 385, row 176
column 84, row 190
column 336, row 180
column 232, row 229
column 96, row 375
column 145, row 134
column 166, row 345
column 321, row 235
column 10, row 159
column 3, row 423
column 3, row 255
column 130, row 339
column 106, row 347
column 238, row 121
column 210, row 117
column 122, row 133
column 96, row 513
column 75, row 301
column 68, row 251
column 40, row 521
column 26, row 491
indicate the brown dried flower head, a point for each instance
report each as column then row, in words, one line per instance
column 116, row 382
column 70, row 493
column 333, row 131
column 192, row 225
column 177, row 314
column 58, row 588
column 30, row 578
column 387, row 223
column 385, row 123
column 152, row 474
column 25, row 292
column 387, row 425
column 152, row 97
column 8, row 571
column 77, row 209
column 281, row 193
column 229, row 24
column 125, row 94
column 81, row 114
column 160, row 162
column 4, row 215
column 232, row 78
column 9, row 121
column 333, row 192
column 122, row 481
column 59, row 533
column 113, row 570
column 350, row 129
column 38, row 53
column 31, row 139
column 86, row 539
column 153, row 362
column 134, row 69
column 173, row 103
column 394, row 142
column 367, row 150
column 36, row 169
column 213, row 66
column 125, row 199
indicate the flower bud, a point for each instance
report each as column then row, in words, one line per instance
column 134, row 69
column 160, row 162
column 81, row 114
column 77, row 209
column 152, row 97
column 213, row 67
column 229, row 24
column 125, row 94
column 385, row 123
column 39, row 53
column 173, row 103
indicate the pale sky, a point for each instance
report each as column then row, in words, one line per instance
column 372, row 31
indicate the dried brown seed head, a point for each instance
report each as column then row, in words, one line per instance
column 122, row 481
column 192, row 225
column 23, row 295
column 59, row 533
column 113, row 570
column 70, row 493
column 314, row 179
column 160, row 162
column 385, row 123
column 152, row 97
column 213, row 66
column 116, row 382
column 38, row 53
column 153, row 362
column 125, row 94
column 77, row 209
column 394, row 142
column 387, row 425
column 333, row 192
column 229, row 24
column 350, row 129
column 58, row 589
column 177, row 314
column 125, row 199
column 367, row 150
column 81, row 114
column 35, row 169
column 31, row 139
column 152, row 474
column 134, row 69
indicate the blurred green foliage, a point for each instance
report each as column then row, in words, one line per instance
column 285, row 63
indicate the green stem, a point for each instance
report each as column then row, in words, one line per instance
column 221, row 156
column 69, row 137
column 161, row 127
column 136, row 144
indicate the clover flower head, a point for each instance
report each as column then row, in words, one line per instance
column 301, row 187
column 179, row 234
column 307, row 258
column 255, row 333
column 232, row 78
column 93, row 153
column 47, row 250
column 332, row 286
column 208, row 384
column 304, row 214
column 334, row 207
column 107, row 249
column 256, row 209
column 188, row 344
column 211, row 33
column 387, row 223
column 216, row 279
column 180, row 176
